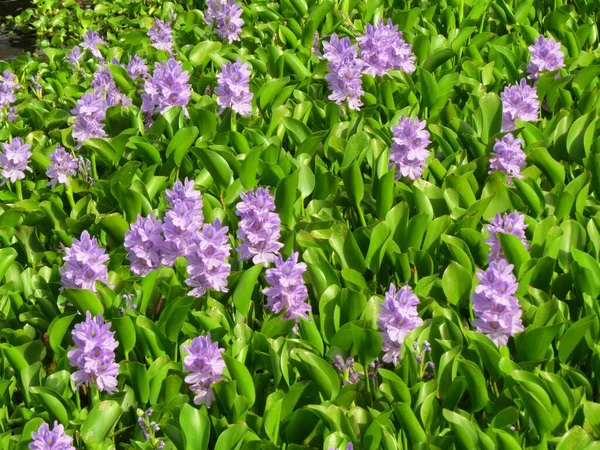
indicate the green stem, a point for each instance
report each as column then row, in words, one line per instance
column 19, row 189
column 233, row 121
column 69, row 192
column 361, row 215
column 94, row 170
column 94, row 395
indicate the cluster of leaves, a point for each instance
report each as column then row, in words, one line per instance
column 356, row 228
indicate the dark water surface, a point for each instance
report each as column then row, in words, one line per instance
column 14, row 42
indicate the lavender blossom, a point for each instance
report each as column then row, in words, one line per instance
column 137, row 68
column 409, row 148
column 55, row 439
column 234, row 88
column 497, row 310
column 182, row 221
column 167, row 87
column 104, row 85
column 508, row 157
column 63, row 166
column 207, row 260
column 85, row 263
column 227, row 16
column 89, row 114
column 315, row 47
column 347, row 370
column 144, row 243
column 519, row 101
column 14, row 160
column 287, row 292
column 161, row 36
column 84, row 168
column 74, row 56
column 8, row 86
column 382, row 49
column 345, row 72
column 398, row 317
column 546, row 56
column 260, row 228
column 205, row 363
column 94, row 354
column 91, row 42
column 513, row 223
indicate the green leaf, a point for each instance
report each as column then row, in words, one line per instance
column 84, row 300
column 513, row 249
column 285, row 198
column 476, row 384
column 57, row 330
column 231, row 437
column 409, row 423
column 242, row 294
column 217, row 167
column 456, row 283
column 322, row 373
column 572, row 336
column 52, row 402
column 7, row 256
column 100, row 421
column 181, row 143
column 195, row 427
column 353, row 182
column 438, row 58
column 533, row 343
column 200, row 54
column 241, row 375
column 463, row 429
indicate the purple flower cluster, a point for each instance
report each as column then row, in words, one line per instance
column 55, row 439
column 137, row 68
column 205, row 363
column 287, row 292
column 182, row 221
column 513, row 223
column 234, row 88
column 149, row 428
column 85, row 263
column 409, row 148
column 398, row 317
column 207, row 260
column 260, row 227
column 227, row 16
column 62, row 167
column 94, row 355
column 144, row 243
column 497, row 310
column 519, row 101
column 91, row 42
column 89, row 114
column 106, row 89
column 546, row 56
column 382, row 49
column 347, row 370
column 8, row 96
column 345, row 72
column 161, row 36
column 74, row 56
column 167, row 87
column 14, row 160
column 509, row 157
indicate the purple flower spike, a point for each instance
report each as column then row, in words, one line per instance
column 91, row 42
column 7, row 89
column 260, row 227
column 64, row 165
column 137, row 68
column 85, row 263
column 207, row 260
column 205, row 363
column 234, row 88
column 497, row 310
column 398, row 317
column 89, row 114
column 227, row 16
column 409, row 148
column 94, row 354
column 513, row 223
column 144, row 243
column 546, row 56
column 345, row 71
column 167, row 87
column 519, row 101
column 55, row 439
column 161, row 36
column 287, row 292
column 14, row 160
column 74, row 56
column 509, row 157
column 382, row 49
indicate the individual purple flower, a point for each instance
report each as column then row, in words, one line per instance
column 94, row 354
column 234, row 88
column 167, row 87
column 137, row 68
column 226, row 15
column 105, row 87
column 287, row 292
column 182, row 221
column 144, row 243
column 398, row 316
column 519, row 101
column 74, row 56
column 382, row 49
column 55, row 439
column 347, row 370
column 91, row 42
column 8, row 87
column 64, row 165
column 315, row 47
column 259, row 228
column 204, row 362
column 85, row 263
column 497, row 310
column 513, row 223
column 161, row 36
column 509, row 157
column 409, row 148
column 546, row 56
column 207, row 260
column 84, row 168
column 14, row 160
column 345, row 72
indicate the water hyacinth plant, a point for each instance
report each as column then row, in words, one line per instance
column 299, row 225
